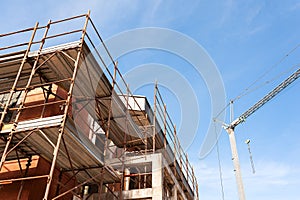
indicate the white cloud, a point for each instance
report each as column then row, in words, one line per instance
column 256, row 29
column 253, row 13
column 295, row 7
column 227, row 11
column 271, row 178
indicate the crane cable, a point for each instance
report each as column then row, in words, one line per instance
column 267, row 82
column 219, row 163
column 245, row 92
column 248, row 90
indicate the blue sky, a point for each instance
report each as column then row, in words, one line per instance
column 244, row 39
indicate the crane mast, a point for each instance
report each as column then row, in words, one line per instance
column 230, row 128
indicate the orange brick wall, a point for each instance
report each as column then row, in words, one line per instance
column 33, row 189
column 36, row 97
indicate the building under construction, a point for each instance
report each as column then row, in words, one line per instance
column 71, row 128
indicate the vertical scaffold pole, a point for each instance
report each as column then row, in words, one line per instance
column 12, row 91
column 187, row 166
column 33, row 71
column 175, row 149
column 110, row 108
column 125, row 141
column 154, row 118
column 62, row 126
column 165, row 126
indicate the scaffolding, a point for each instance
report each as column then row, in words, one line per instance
column 63, row 98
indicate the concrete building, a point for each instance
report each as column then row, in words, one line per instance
column 71, row 128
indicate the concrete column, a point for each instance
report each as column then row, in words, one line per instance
column 157, row 178
column 126, row 179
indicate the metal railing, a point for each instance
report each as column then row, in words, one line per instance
column 171, row 141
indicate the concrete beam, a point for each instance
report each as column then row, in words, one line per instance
column 138, row 194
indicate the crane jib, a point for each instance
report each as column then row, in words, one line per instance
column 266, row 98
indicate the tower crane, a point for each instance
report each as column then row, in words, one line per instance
column 230, row 127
